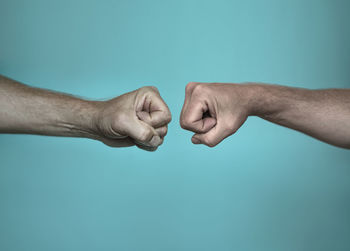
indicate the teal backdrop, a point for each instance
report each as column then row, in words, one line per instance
column 265, row 188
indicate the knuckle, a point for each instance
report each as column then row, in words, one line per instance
column 199, row 90
column 162, row 131
column 151, row 149
column 145, row 135
column 167, row 117
column 184, row 123
column 151, row 88
column 161, row 142
column 198, row 87
column 190, row 86
column 165, row 131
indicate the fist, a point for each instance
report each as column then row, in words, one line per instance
column 139, row 118
column 214, row 111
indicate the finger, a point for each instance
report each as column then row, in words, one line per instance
column 154, row 110
column 189, row 89
column 147, row 148
column 190, row 86
column 202, row 125
column 162, row 131
column 212, row 137
column 153, row 143
column 193, row 119
column 143, row 133
column 188, row 93
column 156, row 118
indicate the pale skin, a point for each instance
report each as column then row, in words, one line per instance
column 214, row 111
column 138, row 118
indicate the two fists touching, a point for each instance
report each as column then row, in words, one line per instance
column 212, row 111
column 141, row 117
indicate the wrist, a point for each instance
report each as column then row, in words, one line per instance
column 90, row 121
column 261, row 100
column 82, row 122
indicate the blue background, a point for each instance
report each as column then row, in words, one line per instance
column 265, row 188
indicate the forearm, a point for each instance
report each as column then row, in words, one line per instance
column 323, row 114
column 24, row 109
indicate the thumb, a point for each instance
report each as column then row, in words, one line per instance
column 214, row 136
column 143, row 134
column 155, row 119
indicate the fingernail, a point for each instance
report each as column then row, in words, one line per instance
column 155, row 141
column 196, row 141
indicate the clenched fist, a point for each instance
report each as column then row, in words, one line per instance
column 214, row 111
column 139, row 118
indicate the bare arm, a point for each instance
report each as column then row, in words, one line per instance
column 323, row 114
column 36, row 111
column 122, row 121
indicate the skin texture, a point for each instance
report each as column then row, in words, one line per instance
column 138, row 118
column 214, row 111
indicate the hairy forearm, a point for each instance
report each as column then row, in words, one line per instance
column 139, row 117
column 29, row 110
column 323, row 114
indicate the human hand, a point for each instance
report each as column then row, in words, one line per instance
column 214, row 111
column 139, row 118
